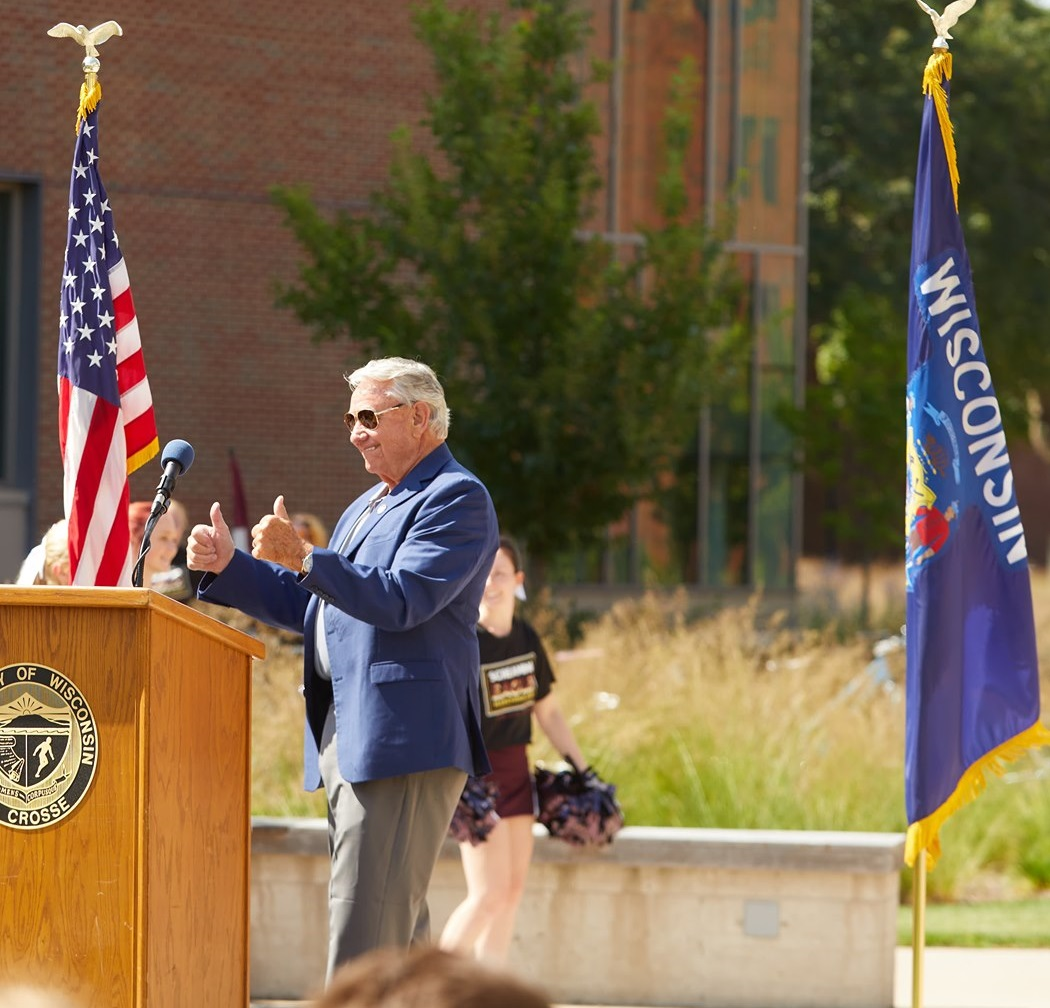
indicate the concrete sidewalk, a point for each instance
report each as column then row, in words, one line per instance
column 976, row 978
column 953, row 978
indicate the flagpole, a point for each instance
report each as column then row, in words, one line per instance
column 918, row 929
column 972, row 664
column 106, row 425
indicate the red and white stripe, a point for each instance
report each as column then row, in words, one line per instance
column 101, row 444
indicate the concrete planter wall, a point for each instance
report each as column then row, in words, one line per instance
column 681, row 917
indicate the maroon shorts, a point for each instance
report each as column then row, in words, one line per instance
column 513, row 778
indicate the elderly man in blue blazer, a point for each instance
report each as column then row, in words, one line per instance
column 388, row 613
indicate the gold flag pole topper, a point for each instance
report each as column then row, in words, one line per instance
column 939, row 68
column 90, row 39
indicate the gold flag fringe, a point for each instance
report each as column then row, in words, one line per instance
column 939, row 69
column 140, row 458
column 924, row 835
column 90, row 96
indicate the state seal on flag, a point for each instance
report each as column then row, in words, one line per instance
column 934, row 478
column 48, row 746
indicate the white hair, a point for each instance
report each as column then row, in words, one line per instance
column 411, row 381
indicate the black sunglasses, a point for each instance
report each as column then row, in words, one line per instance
column 369, row 419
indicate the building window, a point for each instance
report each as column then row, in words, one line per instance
column 770, row 141
column 9, row 287
column 748, row 132
column 19, row 367
column 760, row 10
column 760, row 138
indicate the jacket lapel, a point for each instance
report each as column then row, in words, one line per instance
column 417, row 478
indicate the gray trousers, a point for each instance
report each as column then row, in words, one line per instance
column 384, row 837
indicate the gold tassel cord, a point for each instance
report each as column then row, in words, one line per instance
column 924, row 835
column 939, row 69
column 90, row 96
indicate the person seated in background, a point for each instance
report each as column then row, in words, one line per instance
column 48, row 561
column 32, row 566
column 179, row 582
column 56, row 554
column 158, row 572
column 179, row 566
column 177, row 510
column 310, row 528
column 425, row 977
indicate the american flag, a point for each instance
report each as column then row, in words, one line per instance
column 106, row 426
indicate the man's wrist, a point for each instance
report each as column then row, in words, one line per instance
column 307, row 563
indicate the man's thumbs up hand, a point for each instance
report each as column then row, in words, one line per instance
column 210, row 547
column 275, row 539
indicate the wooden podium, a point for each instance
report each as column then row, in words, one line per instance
column 125, row 829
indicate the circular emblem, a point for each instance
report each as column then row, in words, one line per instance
column 934, row 483
column 48, row 746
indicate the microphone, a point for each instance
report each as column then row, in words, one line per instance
column 176, row 459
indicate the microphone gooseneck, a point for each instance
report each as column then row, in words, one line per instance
column 176, row 458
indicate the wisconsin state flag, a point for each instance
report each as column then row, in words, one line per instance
column 972, row 670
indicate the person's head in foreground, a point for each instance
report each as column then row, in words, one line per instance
column 425, row 977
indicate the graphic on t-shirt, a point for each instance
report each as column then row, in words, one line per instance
column 509, row 686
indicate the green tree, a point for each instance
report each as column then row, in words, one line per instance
column 1000, row 108
column 867, row 102
column 859, row 390
column 574, row 367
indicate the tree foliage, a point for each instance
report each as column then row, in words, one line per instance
column 867, row 63
column 574, row 367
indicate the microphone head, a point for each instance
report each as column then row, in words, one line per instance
column 178, row 451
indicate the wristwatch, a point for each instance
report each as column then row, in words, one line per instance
column 308, row 563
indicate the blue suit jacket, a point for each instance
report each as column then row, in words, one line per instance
column 402, row 608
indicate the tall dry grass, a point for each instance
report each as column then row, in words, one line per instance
column 741, row 719
column 756, row 714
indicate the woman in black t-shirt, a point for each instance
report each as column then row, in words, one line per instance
column 516, row 680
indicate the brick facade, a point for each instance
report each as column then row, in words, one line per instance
column 207, row 106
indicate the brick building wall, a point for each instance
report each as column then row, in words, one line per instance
column 205, row 107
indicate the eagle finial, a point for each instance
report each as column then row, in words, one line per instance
column 89, row 38
column 942, row 23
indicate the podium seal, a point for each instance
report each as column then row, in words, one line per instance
column 48, row 746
